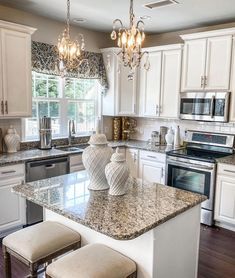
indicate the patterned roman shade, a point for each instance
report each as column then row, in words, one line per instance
column 45, row 60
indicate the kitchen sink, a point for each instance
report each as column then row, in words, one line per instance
column 72, row 148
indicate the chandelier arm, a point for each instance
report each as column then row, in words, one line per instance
column 139, row 23
column 117, row 21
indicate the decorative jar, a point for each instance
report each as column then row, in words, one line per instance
column 95, row 158
column 12, row 140
column 117, row 174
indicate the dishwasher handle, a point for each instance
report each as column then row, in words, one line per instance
column 50, row 166
column 46, row 162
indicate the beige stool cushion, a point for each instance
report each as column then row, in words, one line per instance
column 40, row 240
column 92, row 261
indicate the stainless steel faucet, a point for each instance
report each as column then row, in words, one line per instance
column 72, row 131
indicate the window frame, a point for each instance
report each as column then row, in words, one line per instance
column 63, row 109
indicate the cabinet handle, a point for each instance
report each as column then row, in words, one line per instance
column 229, row 171
column 134, row 108
column 205, row 81
column 6, row 107
column 8, row 172
column 2, row 107
column 202, row 81
column 156, row 109
column 151, row 156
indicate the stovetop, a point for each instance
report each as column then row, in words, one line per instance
column 197, row 154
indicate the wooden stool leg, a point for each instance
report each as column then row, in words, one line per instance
column 33, row 270
column 7, row 262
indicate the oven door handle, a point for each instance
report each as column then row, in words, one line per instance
column 192, row 166
column 212, row 107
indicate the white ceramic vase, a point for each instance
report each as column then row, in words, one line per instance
column 117, row 174
column 12, row 140
column 95, row 158
column 170, row 137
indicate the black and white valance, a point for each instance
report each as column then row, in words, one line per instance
column 45, row 59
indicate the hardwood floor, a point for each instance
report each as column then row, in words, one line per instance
column 216, row 257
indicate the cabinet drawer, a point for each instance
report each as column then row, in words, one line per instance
column 158, row 157
column 8, row 172
column 226, row 170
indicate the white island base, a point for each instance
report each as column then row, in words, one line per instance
column 168, row 251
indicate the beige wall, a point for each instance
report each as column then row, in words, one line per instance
column 49, row 30
column 174, row 37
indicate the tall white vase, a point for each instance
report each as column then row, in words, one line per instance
column 117, row 173
column 95, row 158
column 12, row 140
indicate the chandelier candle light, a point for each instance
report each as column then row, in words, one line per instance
column 130, row 41
column 69, row 50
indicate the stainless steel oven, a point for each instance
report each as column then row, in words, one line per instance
column 204, row 106
column 195, row 176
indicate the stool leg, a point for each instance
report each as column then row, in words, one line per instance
column 7, row 262
column 33, row 270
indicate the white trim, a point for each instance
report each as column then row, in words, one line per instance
column 164, row 47
column 214, row 33
column 17, row 27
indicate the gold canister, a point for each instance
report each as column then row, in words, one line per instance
column 117, row 128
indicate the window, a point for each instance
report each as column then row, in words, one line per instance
column 62, row 100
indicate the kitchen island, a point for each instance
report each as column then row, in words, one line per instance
column 155, row 225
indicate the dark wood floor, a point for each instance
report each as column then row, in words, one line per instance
column 216, row 258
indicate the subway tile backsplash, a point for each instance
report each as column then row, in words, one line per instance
column 146, row 125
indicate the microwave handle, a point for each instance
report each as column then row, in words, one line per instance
column 212, row 107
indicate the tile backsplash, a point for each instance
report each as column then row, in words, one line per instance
column 146, row 125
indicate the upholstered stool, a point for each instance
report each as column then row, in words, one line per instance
column 92, row 261
column 39, row 244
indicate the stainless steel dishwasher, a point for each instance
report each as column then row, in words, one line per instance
column 38, row 170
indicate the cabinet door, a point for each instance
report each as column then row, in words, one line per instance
column 150, row 171
column 1, row 83
column 194, row 61
column 170, row 83
column 132, row 162
column 16, row 67
column 108, row 99
column 225, row 199
column 126, row 94
column 12, row 207
column 150, row 85
column 218, row 63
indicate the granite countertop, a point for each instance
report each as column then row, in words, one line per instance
column 36, row 154
column 126, row 217
column 227, row 160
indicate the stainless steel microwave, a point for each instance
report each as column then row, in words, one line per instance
column 204, row 106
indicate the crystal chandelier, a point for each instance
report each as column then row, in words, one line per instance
column 130, row 41
column 69, row 50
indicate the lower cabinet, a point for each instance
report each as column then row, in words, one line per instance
column 152, row 167
column 12, row 206
column 132, row 157
column 225, row 195
column 75, row 163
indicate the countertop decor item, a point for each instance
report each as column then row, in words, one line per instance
column 130, row 42
column 170, row 137
column 12, row 140
column 117, row 173
column 69, row 50
column 117, row 128
column 95, row 158
column 177, row 137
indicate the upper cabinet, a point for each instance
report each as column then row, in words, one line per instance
column 121, row 97
column 160, row 84
column 207, row 60
column 15, row 70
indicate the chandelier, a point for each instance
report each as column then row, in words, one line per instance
column 130, row 41
column 69, row 50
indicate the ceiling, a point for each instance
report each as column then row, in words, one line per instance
column 100, row 14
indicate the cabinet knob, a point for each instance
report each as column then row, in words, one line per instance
column 205, row 80
column 156, row 109
column 2, row 107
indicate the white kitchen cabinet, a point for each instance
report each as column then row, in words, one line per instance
column 15, row 70
column 152, row 167
column 225, row 195
column 12, row 206
column 75, row 163
column 207, row 60
column 160, row 84
column 132, row 158
column 121, row 97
